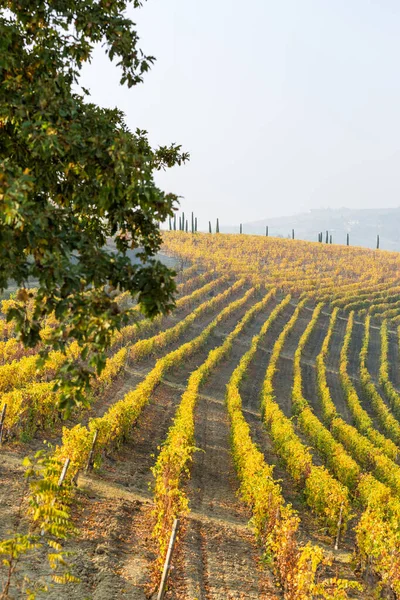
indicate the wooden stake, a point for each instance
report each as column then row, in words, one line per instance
column 59, row 484
column 167, row 564
column 89, row 462
column 63, row 472
column 338, row 527
column 2, row 419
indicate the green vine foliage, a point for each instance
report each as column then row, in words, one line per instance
column 75, row 182
column 50, row 525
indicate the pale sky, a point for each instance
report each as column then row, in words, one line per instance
column 284, row 105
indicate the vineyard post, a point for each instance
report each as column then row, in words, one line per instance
column 2, row 419
column 338, row 527
column 89, row 462
column 167, row 564
column 59, row 484
column 63, row 472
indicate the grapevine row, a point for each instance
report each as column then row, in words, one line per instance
column 275, row 523
column 377, row 532
column 145, row 347
column 361, row 418
column 387, row 421
column 172, row 462
column 324, row 494
column 35, row 407
column 127, row 333
column 114, row 426
column 18, row 374
column 391, row 393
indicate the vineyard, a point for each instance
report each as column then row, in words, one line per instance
column 263, row 413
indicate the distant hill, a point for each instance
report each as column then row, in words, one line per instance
column 363, row 226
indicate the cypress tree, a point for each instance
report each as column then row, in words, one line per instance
column 377, row 242
column 217, row 227
column 266, row 230
column 174, row 222
column 327, row 238
column 187, row 225
column 330, row 239
column 195, row 224
column 170, row 223
column 209, row 227
column 348, row 239
column 180, row 223
column 241, row 231
column 192, row 223
column 183, row 221
column 292, row 234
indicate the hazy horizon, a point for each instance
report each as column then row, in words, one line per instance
column 284, row 107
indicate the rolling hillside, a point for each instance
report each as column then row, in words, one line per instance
column 362, row 225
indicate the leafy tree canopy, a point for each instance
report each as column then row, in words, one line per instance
column 72, row 176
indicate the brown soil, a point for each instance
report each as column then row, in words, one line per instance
column 309, row 354
column 354, row 349
column 374, row 352
column 332, row 375
column 283, row 379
